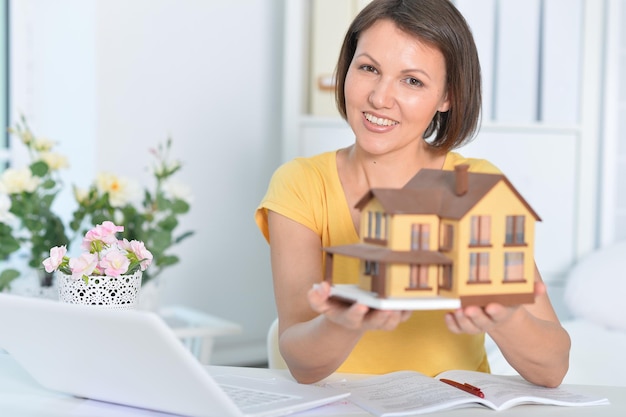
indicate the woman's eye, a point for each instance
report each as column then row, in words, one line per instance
column 368, row 68
column 414, row 82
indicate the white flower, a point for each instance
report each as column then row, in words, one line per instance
column 6, row 216
column 55, row 161
column 25, row 136
column 15, row 181
column 176, row 189
column 80, row 194
column 121, row 191
column 43, row 144
column 165, row 167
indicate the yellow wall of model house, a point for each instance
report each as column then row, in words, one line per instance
column 400, row 240
column 396, row 234
column 499, row 203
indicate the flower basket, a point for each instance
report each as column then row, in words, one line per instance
column 103, row 291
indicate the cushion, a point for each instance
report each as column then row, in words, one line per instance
column 596, row 357
column 595, row 288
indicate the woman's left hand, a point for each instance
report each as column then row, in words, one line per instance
column 476, row 319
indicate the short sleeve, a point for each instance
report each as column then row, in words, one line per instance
column 292, row 192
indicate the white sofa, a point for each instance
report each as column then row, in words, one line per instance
column 595, row 297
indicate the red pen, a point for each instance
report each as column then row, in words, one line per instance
column 465, row 387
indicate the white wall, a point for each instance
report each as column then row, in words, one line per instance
column 110, row 78
column 616, row 151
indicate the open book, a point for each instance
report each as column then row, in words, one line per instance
column 409, row 393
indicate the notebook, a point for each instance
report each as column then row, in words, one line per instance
column 133, row 358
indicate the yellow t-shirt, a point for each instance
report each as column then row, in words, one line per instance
column 308, row 191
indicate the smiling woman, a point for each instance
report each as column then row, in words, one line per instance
column 409, row 86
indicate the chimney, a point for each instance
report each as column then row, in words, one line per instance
column 461, row 180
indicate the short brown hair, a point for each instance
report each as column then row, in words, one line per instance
column 439, row 24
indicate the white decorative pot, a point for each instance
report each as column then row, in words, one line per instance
column 102, row 291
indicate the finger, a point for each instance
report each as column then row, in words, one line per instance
column 540, row 288
column 406, row 314
column 467, row 322
column 452, row 324
column 382, row 319
column 390, row 320
column 318, row 297
column 352, row 317
column 499, row 313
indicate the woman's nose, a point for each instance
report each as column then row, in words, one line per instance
column 382, row 95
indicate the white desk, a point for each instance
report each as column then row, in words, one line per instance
column 21, row 396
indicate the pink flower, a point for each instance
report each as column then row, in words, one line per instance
column 104, row 233
column 105, row 255
column 139, row 250
column 83, row 265
column 56, row 257
column 114, row 263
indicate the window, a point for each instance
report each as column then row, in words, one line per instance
column 371, row 268
column 419, row 277
column 479, row 267
column 377, row 225
column 420, row 240
column 514, row 266
column 446, row 277
column 447, row 237
column 420, row 236
column 480, row 233
column 514, row 230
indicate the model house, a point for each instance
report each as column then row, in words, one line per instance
column 452, row 234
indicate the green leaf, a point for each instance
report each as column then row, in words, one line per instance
column 167, row 260
column 6, row 277
column 48, row 184
column 184, row 236
column 169, row 223
column 39, row 168
column 180, row 206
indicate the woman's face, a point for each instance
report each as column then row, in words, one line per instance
column 394, row 86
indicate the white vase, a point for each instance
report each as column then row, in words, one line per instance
column 102, row 291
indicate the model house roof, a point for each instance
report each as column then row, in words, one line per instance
column 384, row 254
column 448, row 194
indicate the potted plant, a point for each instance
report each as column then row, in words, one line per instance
column 32, row 191
column 107, row 273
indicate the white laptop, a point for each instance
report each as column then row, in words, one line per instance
column 133, row 358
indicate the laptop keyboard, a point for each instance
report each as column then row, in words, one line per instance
column 246, row 398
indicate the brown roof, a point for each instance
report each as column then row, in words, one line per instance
column 383, row 254
column 432, row 191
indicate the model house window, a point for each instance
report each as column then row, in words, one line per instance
column 447, row 237
column 514, row 266
column 479, row 267
column 371, row 268
column 446, row 277
column 418, row 277
column 480, row 233
column 377, row 225
column 514, row 230
column 420, row 236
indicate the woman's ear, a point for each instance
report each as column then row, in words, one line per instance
column 445, row 104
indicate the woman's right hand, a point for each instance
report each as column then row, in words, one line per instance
column 353, row 316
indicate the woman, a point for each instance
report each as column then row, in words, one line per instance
column 408, row 84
